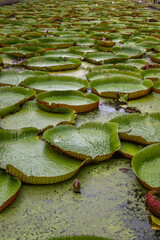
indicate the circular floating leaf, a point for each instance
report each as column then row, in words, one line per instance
column 11, row 98
column 105, row 57
column 131, row 51
column 139, row 128
column 152, row 73
column 138, row 63
column 111, row 72
column 147, row 104
column 9, row 188
column 33, row 160
column 53, row 82
column 109, row 86
column 156, row 87
column 75, row 100
column 12, row 77
column 156, row 58
column 32, row 116
column 92, row 141
column 146, row 166
column 52, row 64
column 22, row 52
column 65, row 53
column 129, row 149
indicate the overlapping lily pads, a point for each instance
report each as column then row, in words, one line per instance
column 53, row 82
column 9, row 187
column 109, row 86
column 32, row 116
column 52, row 64
column 33, row 160
column 11, row 98
column 75, row 100
column 141, row 128
column 146, row 166
column 91, row 141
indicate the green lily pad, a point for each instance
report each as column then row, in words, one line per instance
column 85, row 42
column 58, row 42
column 147, row 104
column 22, row 52
column 128, row 149
column 138, row 63
column 105, row 57
column 75, row 100
column 13, row 77
column 157, row 48
column 65, row 53
column 11, row 98
column 118, row 66
column 52, row 64
column 111, row 72
column 9, row 187
column 109, row 86
column 156, row 58
column 91, row 141
column 32, row 116
column 33, row 160
column 146, row 166
column 51, row 83
column 139, row 128
column 152, row 73
column 130, row 50
column 156, row 87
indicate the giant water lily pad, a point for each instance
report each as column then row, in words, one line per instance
column 11, row 98
column 105, row 57
column 129, row 149
column 156, row 87
column 138, row 63
column 156, row 58
column 152, row 73
column 146, row 166
column 13, row 77
column 71, row 99
column 139, row 128
column 22, row 52
column 32, row 116
column 111, row 72
column 70, row 53
column 9, row 187
column 91, row 141
column 53, row 82
column 131, row 51
column 33, row 160
column 52, row 64
column 147, row 104
column 58, row 42
column 109, row 86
